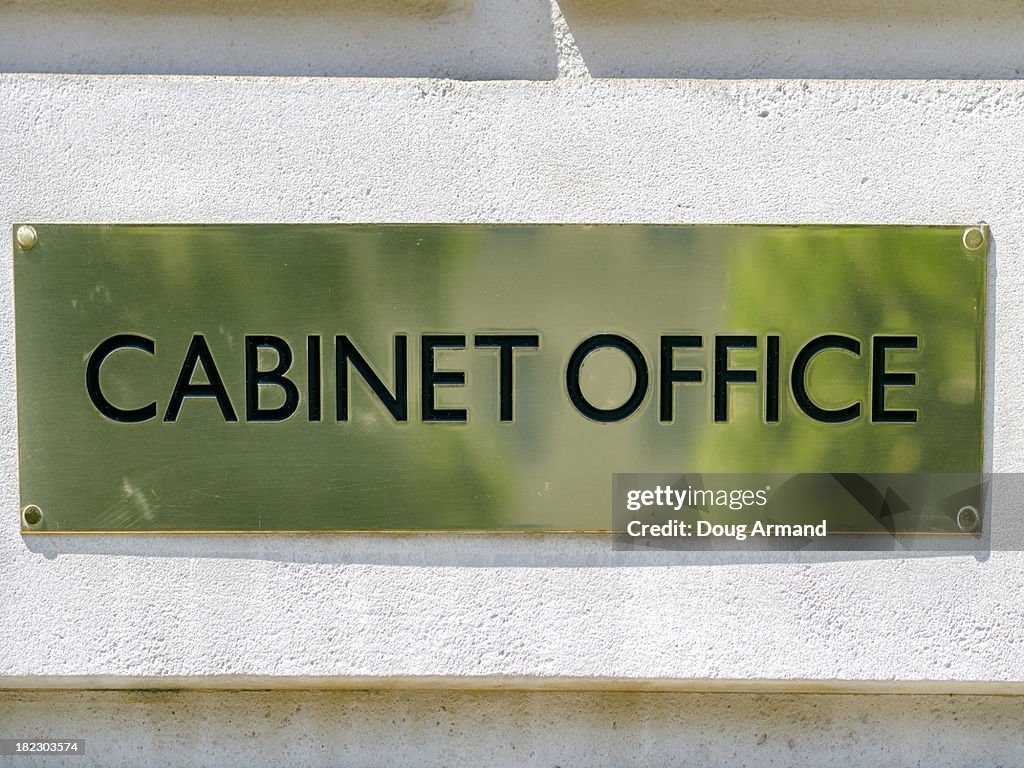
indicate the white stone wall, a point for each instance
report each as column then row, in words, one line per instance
column 555, row 143
column 519, row 607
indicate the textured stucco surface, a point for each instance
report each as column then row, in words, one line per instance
column 798, row 38
column 169, row 149
column 473, row 39
column 245, row 728
column 515, row 39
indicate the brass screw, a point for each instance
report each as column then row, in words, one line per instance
column 27, row 237
column 974, row 238
column 32, row 515
column 967, row 518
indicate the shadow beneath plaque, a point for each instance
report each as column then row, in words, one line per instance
column 797, row 38
column 459, row 39
column 476, row 550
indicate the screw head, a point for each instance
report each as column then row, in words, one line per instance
column 32, row 516
column 27, row 237
column 974, row 238
column 967, row 518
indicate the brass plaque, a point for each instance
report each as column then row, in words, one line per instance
column 479, row 378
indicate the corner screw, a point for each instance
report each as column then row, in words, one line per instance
column 967, row 518
column 32, row 515
column 27, row 237
column 974, row 238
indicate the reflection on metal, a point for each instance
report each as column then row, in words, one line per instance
column 479, row 378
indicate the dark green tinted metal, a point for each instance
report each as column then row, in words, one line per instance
column 549, row 469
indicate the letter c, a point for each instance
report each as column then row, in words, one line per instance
column 799, row 379
column 92, row 378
